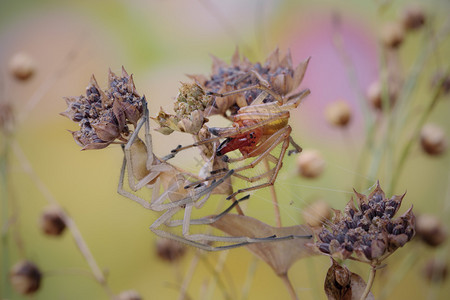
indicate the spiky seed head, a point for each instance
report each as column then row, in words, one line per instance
column 367, row 232
column 22, row 66
column 104, row 115
column 25, row 277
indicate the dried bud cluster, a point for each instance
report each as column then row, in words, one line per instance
column 25, row 277
column 51, row 221
column 370, row 231
column 189, row 107
column 104, row 116
column 169, row 250
column 277, row 72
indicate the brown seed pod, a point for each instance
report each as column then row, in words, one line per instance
column 21, row 66
column 430, row 230
column 413, row 17
column 435, row 270
column 433, row 140
column 310, row 163
column 338, row 113
column 129, row 295
column 51, row 222
column 392, row 35
column 169, row 250
column 317, row 213
column 25, row 277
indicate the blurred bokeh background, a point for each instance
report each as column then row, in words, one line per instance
column 160, row 42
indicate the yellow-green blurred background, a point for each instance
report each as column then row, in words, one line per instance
column 159, row 42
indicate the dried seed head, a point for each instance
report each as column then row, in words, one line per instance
column 104, row 116
column 435, row 270
column 25, row 277
column 310, row 163
column 22, row 66
column 338, row 113
column 277, row 73
column 430, row 230
column 368, row 232
column 129, row 295
column 51, row 221
column 413, row 17
column 433, row 140
column 6, row 118
column 317, row 213
column 392, row 35
column 169, row 250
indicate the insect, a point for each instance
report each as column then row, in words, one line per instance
column 144, row 169
column 256, row 131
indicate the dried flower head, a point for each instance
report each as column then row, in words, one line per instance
column 189, row 107
column 277, row 72
column 430, row 230
column 104, row 116
column 22, row 66
column 25, row 277
column 51, row 221
column 433, row 140
column 129, row 295
column 338, row 113
column 370, row 232
column 310, row 163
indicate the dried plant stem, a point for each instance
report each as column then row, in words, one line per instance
column 289, row 287
column 366, row 292
column 79, row 240
column 189, row 275
column 273, row 193
column 4, row 184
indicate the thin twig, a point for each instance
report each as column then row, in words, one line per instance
column 289, row 286
column 373, row 271
column 273, row 193
column 79, row 241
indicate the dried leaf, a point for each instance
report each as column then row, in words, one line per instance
column 341, row 284
column 280, row 255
